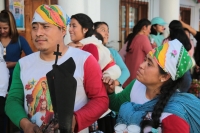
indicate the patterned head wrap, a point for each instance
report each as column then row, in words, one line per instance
column 52, row 14
column 173, row 58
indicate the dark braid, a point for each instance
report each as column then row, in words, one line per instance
column 167, row 90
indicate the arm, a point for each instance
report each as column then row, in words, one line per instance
column 15, row 99
column 91, row 48
column 118, row 60
column 116, row 100
column 175, row 124
column 96, row 93
column 192, row 30
column 25, row 46
column 145, row 43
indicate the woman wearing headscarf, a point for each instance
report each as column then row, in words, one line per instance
column 154, row 103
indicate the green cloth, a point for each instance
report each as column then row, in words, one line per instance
column 158, row 39
column 116, row 100
column 15, row 100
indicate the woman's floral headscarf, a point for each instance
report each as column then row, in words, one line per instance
column 173, row 58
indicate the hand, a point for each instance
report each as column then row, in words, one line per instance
column 10, row 64
column 109, row 84
column 54, row 127
column 29, row 127
column 197, row 68
column 73, row 123
column 117, row 83
column 180, row 18
column 154, row 45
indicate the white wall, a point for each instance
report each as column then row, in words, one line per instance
column 89, row 7
column 2, row 5
column 110, row 14
column 153, row 9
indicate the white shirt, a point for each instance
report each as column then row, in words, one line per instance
column 4, row 74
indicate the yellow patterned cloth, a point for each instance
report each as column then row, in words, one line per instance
column 173, row 58
column 53, row 14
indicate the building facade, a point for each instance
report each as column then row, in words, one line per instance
column 111, row 11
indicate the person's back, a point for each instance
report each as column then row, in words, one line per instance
column 140, row 46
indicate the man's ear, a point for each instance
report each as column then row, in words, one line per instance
column 64, row 32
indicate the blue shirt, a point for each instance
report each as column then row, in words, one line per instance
column 118, row 60
column 13, row 51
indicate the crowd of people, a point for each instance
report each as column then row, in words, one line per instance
column 145, row 83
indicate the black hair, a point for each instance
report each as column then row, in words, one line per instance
column 136, row 29
column 86, row 22
column 97, row 24
column 153, row 31
column 98, row 36
column 167, row 90
column 7, row 17
column 177, row 32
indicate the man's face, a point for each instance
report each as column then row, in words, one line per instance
column 43, row 105
column 46, row 36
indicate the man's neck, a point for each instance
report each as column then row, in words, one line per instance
column 49, row 55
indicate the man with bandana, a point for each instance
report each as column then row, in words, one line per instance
column 48, row 29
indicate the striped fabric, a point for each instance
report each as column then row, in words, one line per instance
column 52, row 14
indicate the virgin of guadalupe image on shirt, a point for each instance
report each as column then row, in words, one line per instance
column 40, row 102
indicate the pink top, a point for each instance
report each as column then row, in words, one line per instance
column 139, row 48
column 191, row 51
column 123, row 52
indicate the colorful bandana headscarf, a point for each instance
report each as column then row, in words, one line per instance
column 173, row 58
column 52, row 14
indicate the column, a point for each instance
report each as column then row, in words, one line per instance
column 2, row 5
column 169, row 10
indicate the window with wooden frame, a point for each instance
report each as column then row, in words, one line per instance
column 131, row 11
column 185, row 14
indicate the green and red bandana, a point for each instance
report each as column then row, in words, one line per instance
column 173, row 58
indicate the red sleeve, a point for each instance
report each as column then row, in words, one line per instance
column 96, row 93
column 175, row 124
column 91, row 48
